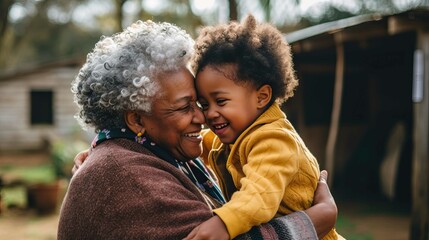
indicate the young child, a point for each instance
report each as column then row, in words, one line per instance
column 243, row 72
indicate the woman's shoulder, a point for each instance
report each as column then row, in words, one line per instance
column 121, row 152
column 124, row 158
column 117, row 163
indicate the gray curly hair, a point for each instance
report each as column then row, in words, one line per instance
column 121, row 73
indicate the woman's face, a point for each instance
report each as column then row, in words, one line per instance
column 175, row 121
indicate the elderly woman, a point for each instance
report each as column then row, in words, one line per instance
column 142, row 178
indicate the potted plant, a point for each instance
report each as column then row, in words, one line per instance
column 45, row 196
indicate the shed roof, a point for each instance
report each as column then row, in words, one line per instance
column 420, row 14
column 11, row 74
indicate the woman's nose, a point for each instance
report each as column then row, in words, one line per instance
column 199, row 116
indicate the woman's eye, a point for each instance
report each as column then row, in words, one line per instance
column 185, row 108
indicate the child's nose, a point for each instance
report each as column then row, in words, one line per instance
column 211, row 113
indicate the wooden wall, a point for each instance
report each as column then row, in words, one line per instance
column 16, row 131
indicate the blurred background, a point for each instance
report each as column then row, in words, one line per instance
column 362, row 105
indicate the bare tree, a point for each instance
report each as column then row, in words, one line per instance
column 5, row 6
column 233, row 12
column 266, row 7
column 119, row 15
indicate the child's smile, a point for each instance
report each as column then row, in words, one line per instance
column 219, row 129
column 229, row 108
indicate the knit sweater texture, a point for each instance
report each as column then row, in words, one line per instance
column 123, row 191
column 267, row 172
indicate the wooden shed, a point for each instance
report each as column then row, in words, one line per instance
column 36, row 105
column 362, row 105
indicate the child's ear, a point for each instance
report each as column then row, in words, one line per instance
column 134, row 122
column 264, row 95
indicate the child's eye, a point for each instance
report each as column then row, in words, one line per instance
column 221, row 101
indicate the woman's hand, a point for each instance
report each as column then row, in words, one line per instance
column 324, row 211
column 79, row 159
column 212, row 229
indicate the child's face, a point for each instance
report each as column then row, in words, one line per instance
column 228, row 108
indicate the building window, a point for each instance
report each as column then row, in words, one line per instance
column 41, row 111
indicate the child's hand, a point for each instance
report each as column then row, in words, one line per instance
column 79, row 159
column 212, row 229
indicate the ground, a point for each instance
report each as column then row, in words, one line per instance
column 369, row 218
column 372, row 219
column 27, row 225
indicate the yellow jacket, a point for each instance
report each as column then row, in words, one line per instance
column 271, row 167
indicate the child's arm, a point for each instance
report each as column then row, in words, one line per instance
column 271, row 164
column 297, row 225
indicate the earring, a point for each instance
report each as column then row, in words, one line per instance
column 139, row 138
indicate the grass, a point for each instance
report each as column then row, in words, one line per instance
column 14, row 196
column 348, row 230
column 44, row 173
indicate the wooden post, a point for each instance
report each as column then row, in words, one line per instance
column 336, row 108
column 420, row 164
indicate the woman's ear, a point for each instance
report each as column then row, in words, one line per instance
column 134, row 122
column 264, row 95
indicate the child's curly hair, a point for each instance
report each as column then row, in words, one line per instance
column 259, row 50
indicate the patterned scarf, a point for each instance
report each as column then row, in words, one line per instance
column 194, row 169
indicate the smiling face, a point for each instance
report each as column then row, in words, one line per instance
column 175, row 120
column 229, row 108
